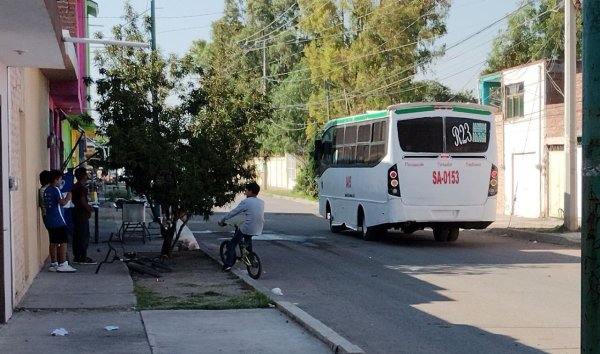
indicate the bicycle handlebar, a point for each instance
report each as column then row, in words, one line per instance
column 230, row 224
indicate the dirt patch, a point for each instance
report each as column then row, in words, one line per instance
column 195, row 282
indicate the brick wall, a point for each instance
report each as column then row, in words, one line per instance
column 555, row 113
column 68, row 15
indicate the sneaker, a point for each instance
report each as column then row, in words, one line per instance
column 65, row 268
column 53, row 268
column 88, row 260
column 226, row 268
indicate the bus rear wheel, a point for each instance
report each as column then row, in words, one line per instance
column 453, row 234
column 445, row 234
column 367, row 233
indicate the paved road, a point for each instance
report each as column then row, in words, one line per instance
column 409, row 294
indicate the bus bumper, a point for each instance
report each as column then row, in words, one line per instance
column 464, row 216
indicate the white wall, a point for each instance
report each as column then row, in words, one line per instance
column 522, row 144
column 277, row 172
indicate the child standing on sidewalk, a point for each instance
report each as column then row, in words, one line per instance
column 54, row 221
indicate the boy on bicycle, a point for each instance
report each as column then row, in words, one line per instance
column 254, row 219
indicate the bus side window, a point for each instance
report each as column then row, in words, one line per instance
column 362, row 144
column 338, row 157
column 379, row 136
column 328, row 141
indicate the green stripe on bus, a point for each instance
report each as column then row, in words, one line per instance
column 358, row 118
column 414, row 110
column 471, row 110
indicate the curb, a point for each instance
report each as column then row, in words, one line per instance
column 532, row 236
column 334, row 341
column 299, row 200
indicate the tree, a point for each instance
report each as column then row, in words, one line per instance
column 533, row 33
column 188, row 157
column 364, row 54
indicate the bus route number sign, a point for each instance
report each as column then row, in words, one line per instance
column 446, row 177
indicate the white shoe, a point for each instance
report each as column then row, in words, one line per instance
column 65, row 268
column 52, row 268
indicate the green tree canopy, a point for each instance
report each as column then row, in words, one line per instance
column 535, row 32
column 190, row 156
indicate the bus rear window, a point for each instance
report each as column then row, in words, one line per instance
column 467, row 135
column 427, row 135
column 421, row 134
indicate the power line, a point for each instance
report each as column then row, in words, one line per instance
column 267, row 26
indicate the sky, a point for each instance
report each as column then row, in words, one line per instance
column 180, row 22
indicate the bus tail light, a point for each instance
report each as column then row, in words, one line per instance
column 393, row 181
column 493, row 188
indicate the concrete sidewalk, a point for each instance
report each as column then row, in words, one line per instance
column 544, row 230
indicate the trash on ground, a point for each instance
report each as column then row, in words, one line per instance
column 60, row 332
column 111, row 328
column 187, row 241
column 277, row 291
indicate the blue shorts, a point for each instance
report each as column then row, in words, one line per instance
column 58, row 234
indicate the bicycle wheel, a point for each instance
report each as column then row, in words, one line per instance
column 223, row 251
column 140, row 268
column 253, row 265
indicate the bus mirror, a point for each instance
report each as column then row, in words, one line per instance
column 318, row 150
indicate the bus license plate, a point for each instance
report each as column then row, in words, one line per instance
column 446, row 177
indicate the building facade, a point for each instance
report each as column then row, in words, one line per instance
column 41, row 84
column 531, row 136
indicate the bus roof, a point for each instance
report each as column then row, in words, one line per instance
column 356, row 118
column 472, row 108
column 404, row 108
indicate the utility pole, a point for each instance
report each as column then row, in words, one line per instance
column 570, row 120
column 327, row 93
column 153, row 19
column 265, row 67
column 590, row 247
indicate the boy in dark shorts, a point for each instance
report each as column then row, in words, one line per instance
column 54, row 221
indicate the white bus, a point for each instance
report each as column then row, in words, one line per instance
column 409, row 167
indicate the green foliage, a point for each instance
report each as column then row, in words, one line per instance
column 365, row 54
column 533, row 33
column 286, row 133
column 306, row 180
column 188, row 157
